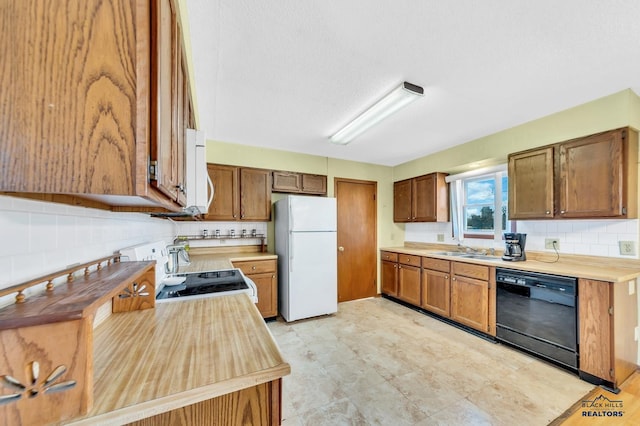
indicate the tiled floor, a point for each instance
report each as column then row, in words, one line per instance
column 378, row 363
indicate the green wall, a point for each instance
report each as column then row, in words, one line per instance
column 265, row 158
column 613, row 111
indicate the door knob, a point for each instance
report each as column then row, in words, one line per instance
column 340, row 248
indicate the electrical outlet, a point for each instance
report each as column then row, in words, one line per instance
column 552, row 243
column 627, row 248
column 632, row 287
column 441, row 238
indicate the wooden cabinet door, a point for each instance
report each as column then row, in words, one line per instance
column 73, row 97
column 531, row 184
column 267, row 285
column 409, row 284
column 592, row 178
column 402, row 201
column 255, row 194
column 314, row 184
column 595, row 298
column 436, row 292
column 470, row 302
column 287, row 182
column 164, row 142
column 430, row 198
column 389, row 276
column 226, row 196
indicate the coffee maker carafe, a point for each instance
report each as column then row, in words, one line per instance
column 514, row 247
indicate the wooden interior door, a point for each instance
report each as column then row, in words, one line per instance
column 357, row 240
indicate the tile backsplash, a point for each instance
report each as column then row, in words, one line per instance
column 586, row 237
column 39, row 237
column 196, row 229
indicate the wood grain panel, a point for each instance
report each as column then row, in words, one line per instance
column 596, row 328
column 226, row 339
column 409, row 288
column 389, row 278
column 65, row 344
column 469, row 302
column 256, row 266
column 436, row 292
column 74, row 300
column 389, row 256
column 436, row 264
column 408, row 259
column 625, row 320
column 69, row 96
column 139, row 294
column 531, row 184
column 251, row 406
column 479, row 272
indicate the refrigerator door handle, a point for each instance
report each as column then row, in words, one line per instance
column 291, row 251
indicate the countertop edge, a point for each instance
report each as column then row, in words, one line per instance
column 593, row 272
column 192, row 396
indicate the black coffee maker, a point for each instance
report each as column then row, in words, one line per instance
column 514, row 247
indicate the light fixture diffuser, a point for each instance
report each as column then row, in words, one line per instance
column 400, row 97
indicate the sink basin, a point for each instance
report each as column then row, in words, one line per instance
column 481, row 256
column 451, row 253
column 467, row 255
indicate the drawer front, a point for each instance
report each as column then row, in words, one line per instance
column 256, row 266
column 436, row 264
column 471, row 270
column 389, row 256
column 409, row 259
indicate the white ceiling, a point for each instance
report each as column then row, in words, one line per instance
column 287, row 74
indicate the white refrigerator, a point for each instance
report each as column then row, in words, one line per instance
column 307, row 260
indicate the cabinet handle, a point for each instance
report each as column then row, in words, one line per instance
column 180, row 187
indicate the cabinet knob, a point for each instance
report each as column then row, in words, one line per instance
column 446, row 277
column 548, row 212
column 454, row 278
column 561, row 211
column 253, row 267
column 180, row 187
column 395, row 266
column 340, row 248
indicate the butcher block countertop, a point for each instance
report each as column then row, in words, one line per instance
column 589, row 267
column 156, row 360
column 204, row 259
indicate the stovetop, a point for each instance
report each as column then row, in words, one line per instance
column 205, row 283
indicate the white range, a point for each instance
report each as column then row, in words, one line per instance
column 191, row 285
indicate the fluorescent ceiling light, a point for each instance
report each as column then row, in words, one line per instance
column 398, row 98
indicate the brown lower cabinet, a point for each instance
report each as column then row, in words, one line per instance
column 256, row 405
column 409, row 279
column 462, row 292
column 436, row 286
column 264, row 274
column 607, row 319
column 389, row 273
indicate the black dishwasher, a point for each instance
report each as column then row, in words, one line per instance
column 537, row 312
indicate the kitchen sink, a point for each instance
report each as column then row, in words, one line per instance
column 467, row 255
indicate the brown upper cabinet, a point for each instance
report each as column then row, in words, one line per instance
column 589, row 177
column 299, row 183
column 240, row 193
column 421, row 199
column 99, row 113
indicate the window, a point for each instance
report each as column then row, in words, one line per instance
column 475, row 198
